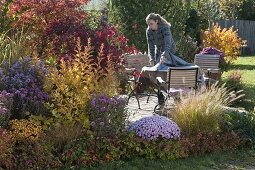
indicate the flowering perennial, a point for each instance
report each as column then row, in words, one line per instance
column 153, row 127
column 108, row 115
column 105, row 103
column 24, row 79
column 211, row 50
column 5, row 104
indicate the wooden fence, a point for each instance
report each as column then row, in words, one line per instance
column 246, row 31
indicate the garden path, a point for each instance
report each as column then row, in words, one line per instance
column 147, row 109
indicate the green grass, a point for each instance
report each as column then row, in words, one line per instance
column 240, row 159
column 247, row 67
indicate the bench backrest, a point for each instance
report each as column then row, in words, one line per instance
column 207, row 61
column 180, row 77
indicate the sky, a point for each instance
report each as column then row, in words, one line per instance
column 96, row 4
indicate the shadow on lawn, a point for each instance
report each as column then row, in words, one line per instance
column 248, row 102
column 241, row 67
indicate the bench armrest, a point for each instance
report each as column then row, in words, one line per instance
column 160, row 80
column 129, row 70
column 213, row 70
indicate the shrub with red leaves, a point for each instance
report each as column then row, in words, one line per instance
column 62, row 36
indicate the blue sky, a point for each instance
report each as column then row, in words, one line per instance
column 96, row 4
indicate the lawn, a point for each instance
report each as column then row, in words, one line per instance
column 240, row 159
column 247, row 67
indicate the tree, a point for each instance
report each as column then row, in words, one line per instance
column 246, row 10
column 193, row 25
column 35, row 15
column 129, row 17
column 208, row 11
column 229, row 8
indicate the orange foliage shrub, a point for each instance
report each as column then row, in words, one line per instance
column 225, row 40
column 24, row 129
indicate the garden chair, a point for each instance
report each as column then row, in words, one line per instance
column 180, row 80
column 209, row 65
column 133, row 66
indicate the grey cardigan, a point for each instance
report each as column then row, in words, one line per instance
column 162, row 41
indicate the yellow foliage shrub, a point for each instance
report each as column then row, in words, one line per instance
column 44, row 121
column 225, row 40
column 24, row 129
column 70, row 87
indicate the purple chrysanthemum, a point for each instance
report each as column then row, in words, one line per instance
column 211, row 50
column 153, row 127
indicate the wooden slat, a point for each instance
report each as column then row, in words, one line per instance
column 205, row 61
column 182, row 78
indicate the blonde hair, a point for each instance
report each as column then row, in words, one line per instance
column 161, row 20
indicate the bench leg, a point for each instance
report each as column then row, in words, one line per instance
column 132, row 93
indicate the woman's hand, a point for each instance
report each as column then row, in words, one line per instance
column 162, row 59
column 152, row 63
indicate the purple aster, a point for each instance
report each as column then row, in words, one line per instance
column 92, row 124
column 153, row 127
column 25, row 80
column 102, row 109
column 101, row 123
column 93, row 102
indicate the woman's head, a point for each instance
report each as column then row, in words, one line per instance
column 154, row 19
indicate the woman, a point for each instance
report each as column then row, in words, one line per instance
column 161, row 46
column 161, row 50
